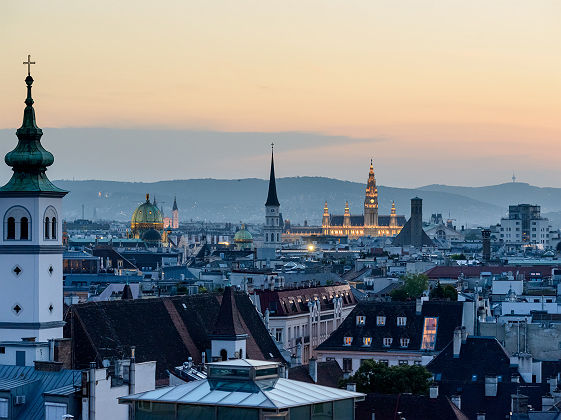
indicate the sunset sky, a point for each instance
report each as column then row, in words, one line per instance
column 451, row 92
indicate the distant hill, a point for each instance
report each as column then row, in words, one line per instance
column 302, row 198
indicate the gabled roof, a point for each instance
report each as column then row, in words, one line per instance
column 404, row 237
column 449, row 316
column 44, row 382
column 167, row 330
column 228, row 323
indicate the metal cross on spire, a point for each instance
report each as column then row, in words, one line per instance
column 29, row 63
column 272, row 145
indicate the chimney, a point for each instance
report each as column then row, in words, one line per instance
column 313, row 365
column 433, row 391
column 486, row 243
column 48, row 366
column 457, row 342
column 91, row 385
column 132, row 372
column 491, row 386
column 351, row 386
column 418, row 306
column 457, row 401
column 464, row 335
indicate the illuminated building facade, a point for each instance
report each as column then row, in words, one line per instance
column 368, row 224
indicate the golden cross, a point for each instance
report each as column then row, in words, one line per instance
column 29, row 63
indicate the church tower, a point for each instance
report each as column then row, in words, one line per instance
column 325, row 220
column 175, row 215
column 273, row 221
column 371, row 200
column 347, row 215
column 31, row 301
column 393, row 216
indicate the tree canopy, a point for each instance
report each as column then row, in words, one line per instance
column 414, row 285
column 378, row 377
column 446, row 292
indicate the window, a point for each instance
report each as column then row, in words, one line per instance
column 473, row 378
column 366, row 341
column 2, row 350
column 347, row 341
column 16, row 224
column 429, row 334
column 380, row 320
column 347, row 365
column 404, row 342
column 403, row 362
column 401, row 321
column 3, row 408
column 388, row 341
column 11, row 228
column 384, row 362
column 54, row 411
column 360, row 320
column 278, row 335
column 53, row 228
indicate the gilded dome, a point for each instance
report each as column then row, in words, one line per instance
column 147, row 213
column 243, row 236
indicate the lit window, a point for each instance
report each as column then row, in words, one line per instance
column 429, row 334
column 347, row 341
column 360, row 320
column 403, row 362
column 366, row 341
column 388, row 341
column 404, row 342
column 380, row 320
column 401, row 321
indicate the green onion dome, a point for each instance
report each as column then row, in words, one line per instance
column 243, row 236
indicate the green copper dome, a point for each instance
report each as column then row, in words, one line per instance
column 243, row 236
column 29, row 160
column 147, row 213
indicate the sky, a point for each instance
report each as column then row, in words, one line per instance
column 448, row 92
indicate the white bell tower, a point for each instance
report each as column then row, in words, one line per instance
column 31, row 301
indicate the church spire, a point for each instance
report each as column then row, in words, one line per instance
column 29, row 160
column 174, row 208
column 272, row 199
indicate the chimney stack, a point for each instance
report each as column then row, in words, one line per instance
column 491, row 386
column 464, row 335
column 457, row 342
column 486, row 242
column 313, row 365
column 417, row 222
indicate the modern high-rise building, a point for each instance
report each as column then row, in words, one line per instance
column 525, row 224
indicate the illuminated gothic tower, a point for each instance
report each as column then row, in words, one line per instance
column 31, row 244
column 325, row 220
column 371, row 200
column 175, row 215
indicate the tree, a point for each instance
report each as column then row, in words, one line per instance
column 447, row 292
column 378, row 377
column 413, row 286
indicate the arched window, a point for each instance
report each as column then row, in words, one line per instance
column 11, row 228
column 47, row 227
column 224, row 354
column 50, row 219
column 266, row 237
column 17, row 224
column 24, row 229
column 53, row 228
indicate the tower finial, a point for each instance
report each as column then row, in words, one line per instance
column 29, row 63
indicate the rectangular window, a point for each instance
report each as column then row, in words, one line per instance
column 3, row 408
column 384, row 362
column 347, row 365
column 387, row 341
column 429, row 333
column 2, row 350
column 366, row 341
column 403, row 362
column 404, row 342
column 380, row 321
column 360, row 320
column 347, row 341
column 278, row 335
column 401, row 321
column 54, row 411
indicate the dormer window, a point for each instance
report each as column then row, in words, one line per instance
column 347, row 341
column 404, row 342
column 401, row 321
column 387, row 341
column 360, row 320
column 366, row 341
column 380, row 320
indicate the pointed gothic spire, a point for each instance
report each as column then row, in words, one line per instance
column 29, row 160
column 272, row 199
column 174, row 208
